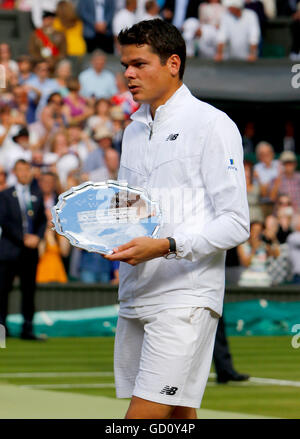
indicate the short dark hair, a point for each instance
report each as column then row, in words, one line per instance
column 21, row 162
column 163, row 38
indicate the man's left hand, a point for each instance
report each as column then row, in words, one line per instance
column 140, row 250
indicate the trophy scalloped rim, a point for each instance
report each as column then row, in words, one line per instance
column 55, row 210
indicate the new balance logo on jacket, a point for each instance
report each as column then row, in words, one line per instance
column 172, row 137
column 169, row 390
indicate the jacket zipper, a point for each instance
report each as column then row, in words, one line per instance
column 148, row 158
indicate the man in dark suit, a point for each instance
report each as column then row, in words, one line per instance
column 222, row 358
column 176, row 11
column 97, row 16
column 23, row 222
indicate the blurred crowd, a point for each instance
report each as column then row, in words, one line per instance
column 216, row 29
column 69, row 127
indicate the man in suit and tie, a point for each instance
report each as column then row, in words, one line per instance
column 23, row 222
column 177, row 11
column 97, row 16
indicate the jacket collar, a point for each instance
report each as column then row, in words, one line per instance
column 162, row 113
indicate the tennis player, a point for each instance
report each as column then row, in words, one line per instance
column 171, row 288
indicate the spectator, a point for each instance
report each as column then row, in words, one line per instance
column 295, row 31
column 150, row 12
column 48, row 184
column 285, row 8
column 126, row 17
column 38, row 8
column 50, row 267
column 24, row 5
column 20, row 149
column 52, row 115
column 265, row 171
column 51, row 120
column 101, row 116
column 289, row 136
column 20, row 104
column 110, row 169
column 97, row 81
column 95, row 159
column 23, row 223
column 201, row 35
column 46, row 42
column 257, row 6
column 94, row 268
column 80, row 142
column 3, row 183
column 211, row 13
column 278, row 266
column 71, row 26
column 97, row 16
column 43, row 83
column 239, row 33
column 253, row 194
column 253, row 256
column 294, row 249
column 123, row 97
column 249, row 138
column 63, row 73
column 118, row 121
column 9, row 126
column 25, row 65
column 115, row 273
column 10, row 65
column 288, row 181
column 76, row 108
column 270, row 233
column 270, row 8
column 64, row 160
column 177, row 11
column 285, row 214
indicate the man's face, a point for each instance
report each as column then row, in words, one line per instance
column 24, row 66
column 148, row 80
column 265, row 155
column 237, row 12
column 23, row 173
column 23, row 141
column 105, row 143
column 42, row 70
column 98, row 63
column 289, row 167
column 47, row 184
column 48, row 22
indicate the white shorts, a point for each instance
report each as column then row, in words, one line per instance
column 165, row 357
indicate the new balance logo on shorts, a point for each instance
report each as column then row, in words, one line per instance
column 169, row 390
column 172, row 137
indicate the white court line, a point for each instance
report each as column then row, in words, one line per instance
column 252, row 380
column 70, row 386
column 274, row 382
column 55, row 374
column 265, row 381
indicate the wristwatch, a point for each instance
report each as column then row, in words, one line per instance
column 172, row 253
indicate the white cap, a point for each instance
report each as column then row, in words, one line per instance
column 233, row 3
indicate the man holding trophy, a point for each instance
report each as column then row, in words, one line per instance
column 188, row 156
column 171, row 288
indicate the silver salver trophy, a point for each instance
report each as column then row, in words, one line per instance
column 100, row 216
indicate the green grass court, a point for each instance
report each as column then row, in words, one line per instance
column 73, row 378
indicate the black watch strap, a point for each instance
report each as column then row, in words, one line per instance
column 172, row 245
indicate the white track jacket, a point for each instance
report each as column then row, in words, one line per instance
column 190, row 158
